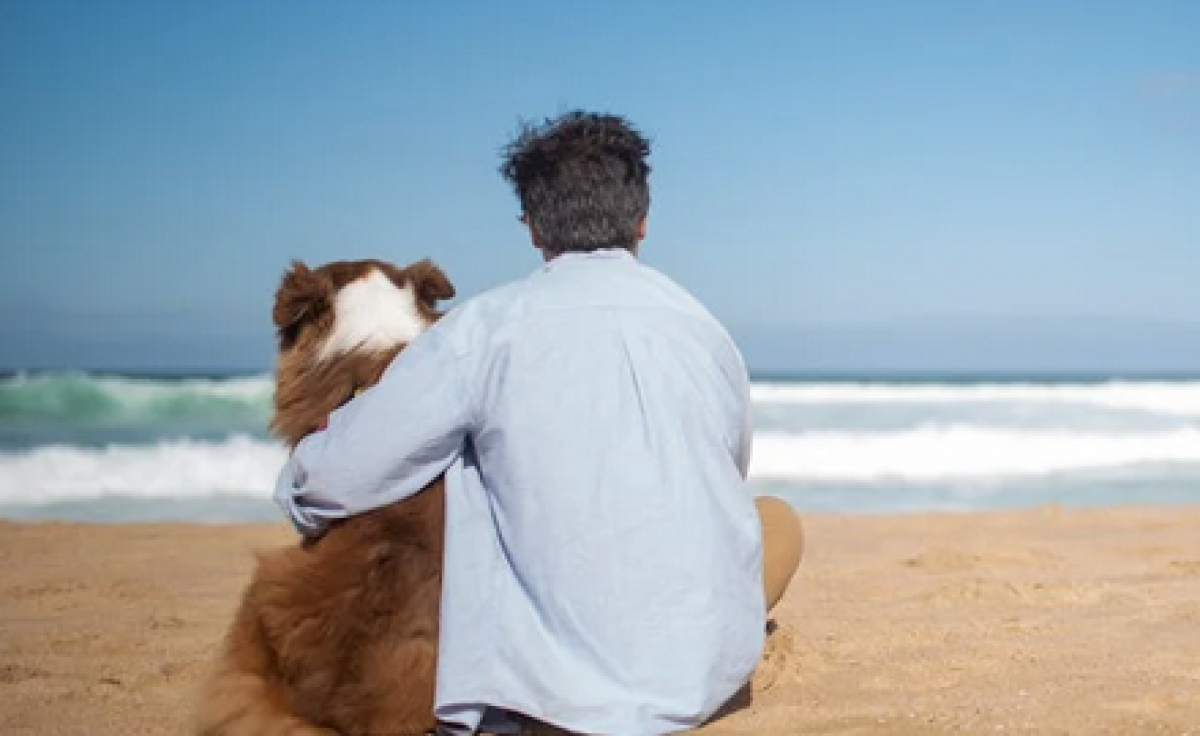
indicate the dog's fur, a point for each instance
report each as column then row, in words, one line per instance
column 339, row 636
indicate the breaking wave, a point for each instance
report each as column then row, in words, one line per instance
column 82, row 398
column 246, row 466
column 106, row 444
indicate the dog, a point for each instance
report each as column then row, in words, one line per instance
column 338, row 636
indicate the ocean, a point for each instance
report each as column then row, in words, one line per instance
column 109, row 448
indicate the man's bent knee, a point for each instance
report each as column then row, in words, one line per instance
column 783, row 546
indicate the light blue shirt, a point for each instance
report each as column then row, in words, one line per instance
column 603, row 553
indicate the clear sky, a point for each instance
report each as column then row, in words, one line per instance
column 860, row 186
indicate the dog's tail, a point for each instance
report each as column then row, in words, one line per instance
column 239, row 698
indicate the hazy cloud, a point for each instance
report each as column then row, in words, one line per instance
column 1173, row 100
column 1170, row 85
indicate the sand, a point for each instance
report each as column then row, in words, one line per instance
column 1045, row 621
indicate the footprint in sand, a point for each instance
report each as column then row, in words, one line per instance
column 778, row 662
column 947, row 559
column 43, row 590
column 1186, row 567
column 990, row 590
column 11, row 674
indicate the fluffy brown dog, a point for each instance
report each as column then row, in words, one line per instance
column 339, row 636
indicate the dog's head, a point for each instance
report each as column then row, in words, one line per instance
column 339, row 326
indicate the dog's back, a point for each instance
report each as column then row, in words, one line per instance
column 339, row 635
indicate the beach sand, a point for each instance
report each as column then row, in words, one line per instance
column 1045, row 621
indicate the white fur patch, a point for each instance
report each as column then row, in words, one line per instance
column 373, row 314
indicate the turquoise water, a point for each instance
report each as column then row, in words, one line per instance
column 120, row 448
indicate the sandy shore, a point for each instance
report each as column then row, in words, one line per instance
column 1046, row 621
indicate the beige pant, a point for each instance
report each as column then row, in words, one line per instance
column 783, row 545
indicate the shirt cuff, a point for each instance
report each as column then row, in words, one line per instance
column 289, row 496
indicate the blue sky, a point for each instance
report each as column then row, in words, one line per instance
column 932, row 186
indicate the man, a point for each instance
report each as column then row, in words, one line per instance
column 604, row 568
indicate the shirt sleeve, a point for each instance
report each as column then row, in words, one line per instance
column 385, row 445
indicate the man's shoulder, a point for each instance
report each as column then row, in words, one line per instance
column 476, row 322
column 686, row 302
column 492, row 303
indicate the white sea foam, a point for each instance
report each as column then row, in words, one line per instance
column 937, row 453
column 72, row 397
column 169, row 469
column 1173, row 398
column 242, row 466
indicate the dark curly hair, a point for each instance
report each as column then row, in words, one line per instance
column 582, row 181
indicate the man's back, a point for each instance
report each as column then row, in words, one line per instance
column 603, row 563
column 603, row 552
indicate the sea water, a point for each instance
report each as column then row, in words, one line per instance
column 78, row 446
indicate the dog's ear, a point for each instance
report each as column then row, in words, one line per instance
column 303, row 295
column 429, row 281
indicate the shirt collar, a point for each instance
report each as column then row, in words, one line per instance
column 600, row 254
